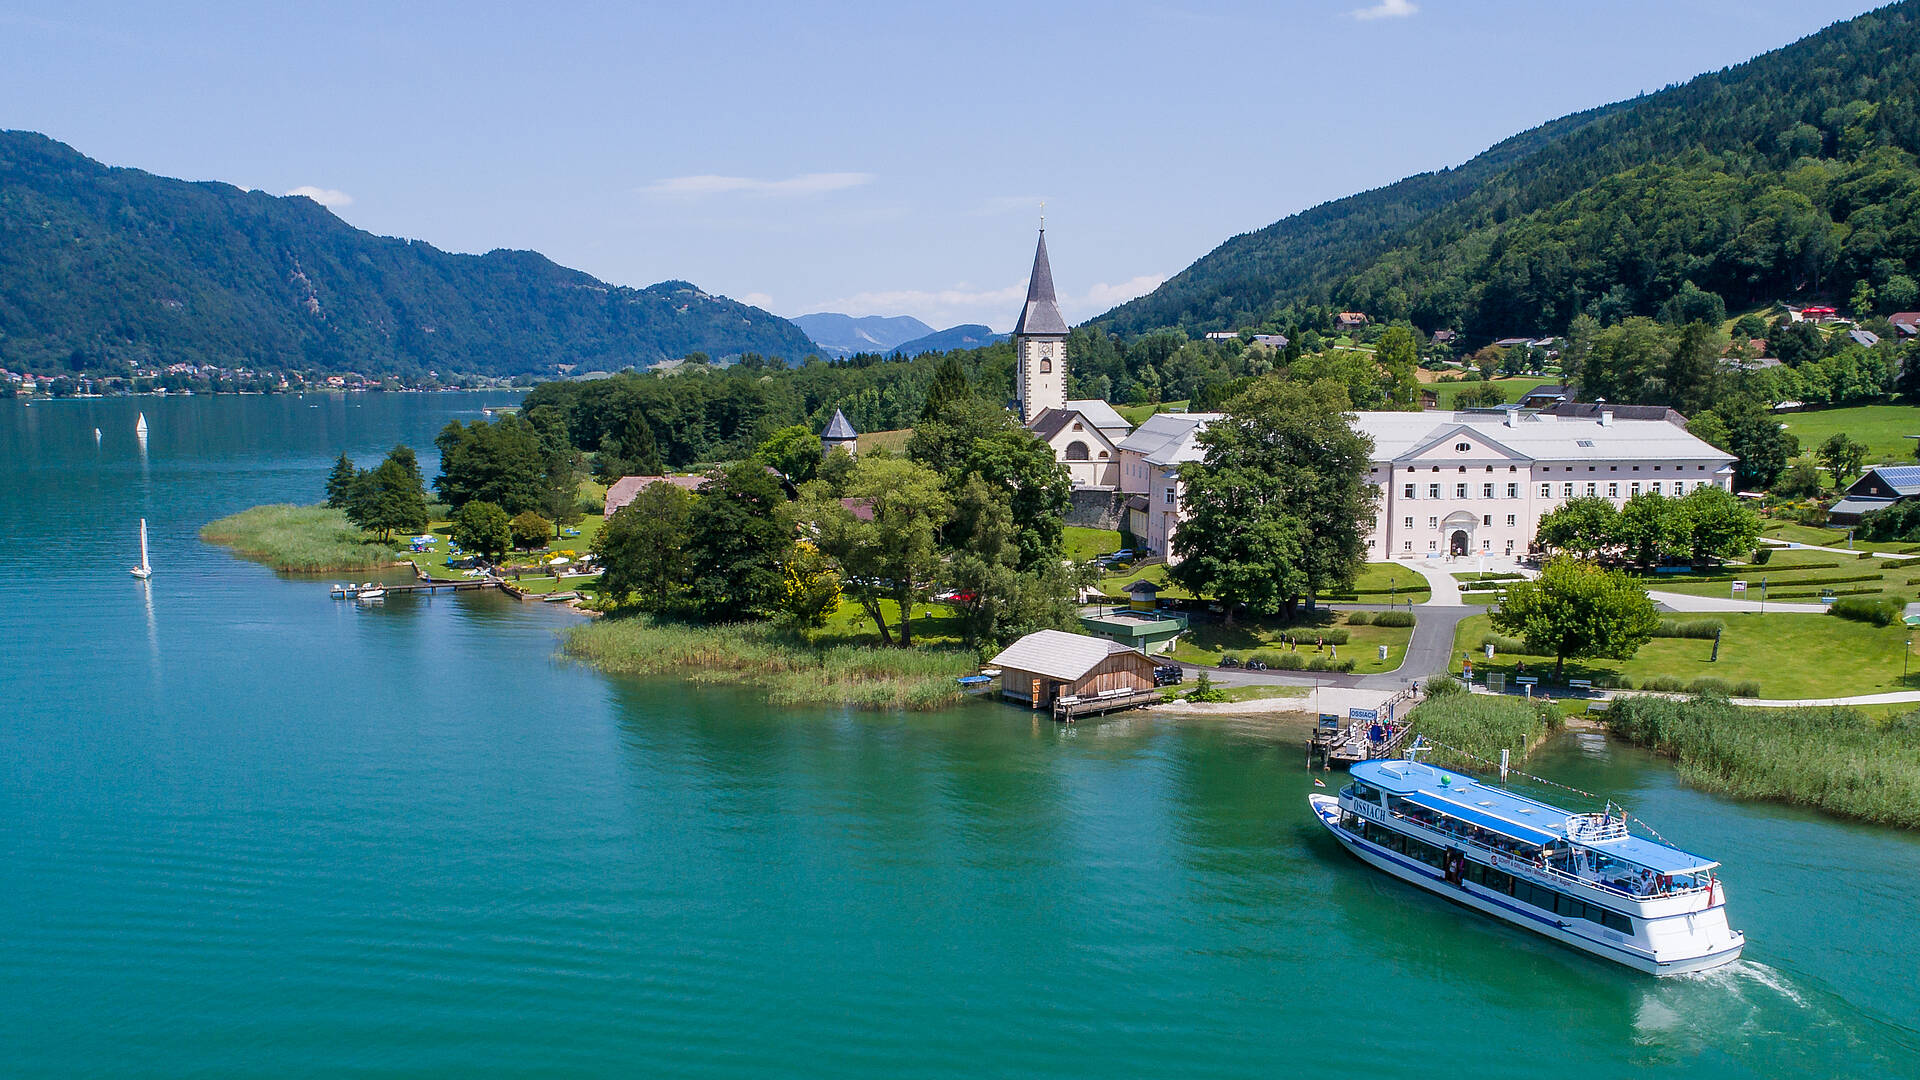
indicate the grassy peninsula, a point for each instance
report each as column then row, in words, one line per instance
column 1482, row 725
column 1838, row 760
column 300, row 538
column 791, row 669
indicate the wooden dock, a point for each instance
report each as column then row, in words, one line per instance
column 427, row 585
column 1067, row 710
column 1334, row 743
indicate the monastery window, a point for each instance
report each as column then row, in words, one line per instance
column 1433, row 523
column 1486, row 519
column 1546, row 491
column 1406, row 545
column 1566, row 491
column 1509, row 521
column 1459, row 491
column 1656, row 487
column 1636, row 468
column 1409, row 523
column 1591, row 492
column 1513, row 468
column 1486, row 546
column 1486, row 491
column 1170, row 500
column 1513, row 491
column 1461, row 447
column 1613, row 491
column 1489, row 468
column 1076, row 450
column 1409, row 491
column 1433, row 491
column 1633, row 490
column 1433, row 545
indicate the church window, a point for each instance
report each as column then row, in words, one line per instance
column 1103, row 455
column 1077, row 427
column 1076, row 451
column 1046, row 364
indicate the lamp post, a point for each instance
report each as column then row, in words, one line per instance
column 1906, row 658
column 1393, row 591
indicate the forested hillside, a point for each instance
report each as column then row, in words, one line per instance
column 102, row 266
column 1790, row 176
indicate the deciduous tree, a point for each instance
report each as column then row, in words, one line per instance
column 1576, row 610
column 643, row 550
column 1585, row 527
column 739, row 530
column 483, row 528
column 883, row 534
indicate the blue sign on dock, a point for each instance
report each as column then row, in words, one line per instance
column 1368, row 715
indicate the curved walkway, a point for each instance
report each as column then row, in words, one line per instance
column 1674, row 601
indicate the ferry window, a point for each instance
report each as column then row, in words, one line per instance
column 1613, row 920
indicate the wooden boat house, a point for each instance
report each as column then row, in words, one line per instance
column 1051, row 664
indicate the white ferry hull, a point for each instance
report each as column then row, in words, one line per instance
column 1482, row 900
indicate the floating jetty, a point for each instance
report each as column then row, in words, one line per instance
column 429, row 586
column 1366, row 735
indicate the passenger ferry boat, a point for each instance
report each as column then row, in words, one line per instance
column 1578, row 878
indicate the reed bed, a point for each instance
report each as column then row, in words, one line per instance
column 1481, row 725
column 790, row 669
column 299, row 538
column 1832, row 759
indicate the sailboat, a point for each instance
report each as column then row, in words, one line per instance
column 140, row 426
column 96, row 436
column 143, row 571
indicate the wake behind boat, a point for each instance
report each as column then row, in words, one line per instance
column 1580, row 879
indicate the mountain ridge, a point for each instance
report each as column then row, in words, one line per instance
column 102, row 266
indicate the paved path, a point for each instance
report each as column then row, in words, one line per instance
column 1896, row 697
column 1674, row 601
column 1788, row 545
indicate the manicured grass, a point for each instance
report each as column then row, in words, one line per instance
column 1801, row 577
column 1083, row 544
column 433, row 561
column 1838, row 760
column 1254, row 693
column 299, row 538
column 1788, row 655
column 1884, row 428
column 1511, row 389
column 1381, row 581
column 1135, row 414
column 1206, row 642
column 1116, row 584
column 791, row 670
column 933, row 624
column 1834, row 538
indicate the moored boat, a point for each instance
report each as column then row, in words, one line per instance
column 1581, row 879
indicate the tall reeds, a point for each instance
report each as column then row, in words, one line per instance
column 302, row 538
column 791, row 670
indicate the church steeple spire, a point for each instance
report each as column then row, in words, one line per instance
column 1040, row 343
column 1042, row 313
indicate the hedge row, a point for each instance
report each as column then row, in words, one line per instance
column 1691, row 628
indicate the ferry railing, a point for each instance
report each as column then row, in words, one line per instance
column 1547, row 870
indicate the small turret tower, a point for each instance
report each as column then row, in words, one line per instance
column 839, row 434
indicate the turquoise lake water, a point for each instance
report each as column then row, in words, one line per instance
column 247, row 830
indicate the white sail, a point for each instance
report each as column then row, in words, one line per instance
column 144, row 570
column 140, row 425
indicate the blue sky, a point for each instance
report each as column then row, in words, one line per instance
column 872, row 159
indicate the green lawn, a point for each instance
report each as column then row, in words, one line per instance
column 1512, row 389
column 1836, row 538
column 1789, row 656
column 1378, row 583
column 1136, row 414
column 1801, row 576
column 1254, row 693
column 1083, row 544
column 1206, row 642
column 1884, row 428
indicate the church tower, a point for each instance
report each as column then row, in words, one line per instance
column 1040, row 343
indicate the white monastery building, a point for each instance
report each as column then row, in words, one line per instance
column 1451, row 483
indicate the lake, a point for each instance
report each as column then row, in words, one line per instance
column 249, row 830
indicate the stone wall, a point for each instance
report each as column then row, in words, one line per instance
column 1094, row 508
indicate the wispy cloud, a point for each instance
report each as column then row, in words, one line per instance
column 1386, row 9
column 757, row 299
column 324, row 196
column 997, row 308
column 1008, row 204
column 693, row 187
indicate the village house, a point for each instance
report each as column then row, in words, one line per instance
column 1880, row 488
column 628, row 488
column 1350, row 321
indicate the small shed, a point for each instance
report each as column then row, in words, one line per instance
column 1143, row 595
column 1050, row 664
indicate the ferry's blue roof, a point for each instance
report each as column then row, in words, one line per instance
column 1510, row 814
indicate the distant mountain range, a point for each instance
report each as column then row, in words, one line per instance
column 1791, row 175
column 844, row 335
column 101, row 266
column 889, row 335
column 966, row 336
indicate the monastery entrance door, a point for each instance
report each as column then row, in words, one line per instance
column 1458, row 545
